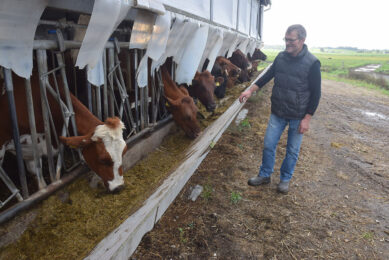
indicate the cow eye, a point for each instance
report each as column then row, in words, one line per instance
column 107, row 162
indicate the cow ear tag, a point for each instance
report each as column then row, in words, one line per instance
column 217, row 84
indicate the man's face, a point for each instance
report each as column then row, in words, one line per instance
column 293, row 45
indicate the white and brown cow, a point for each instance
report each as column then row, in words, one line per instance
column 102, row 143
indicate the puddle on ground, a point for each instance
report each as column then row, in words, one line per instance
column 368, row 68
column 242, row 115
column 374, row 115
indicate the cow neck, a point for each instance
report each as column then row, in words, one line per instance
column 85, row 120
column 170, row 87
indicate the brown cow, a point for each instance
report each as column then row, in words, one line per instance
column 257, row 55
column 255, row 59
column 181, row 105
column 203, row 87
column 239, row 59
column 231, row 69
column 102, row 144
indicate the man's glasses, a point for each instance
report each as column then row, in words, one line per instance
column 290, row 40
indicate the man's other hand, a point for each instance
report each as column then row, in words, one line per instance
column 304, row 124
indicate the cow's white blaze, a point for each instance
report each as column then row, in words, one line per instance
column 114, row 144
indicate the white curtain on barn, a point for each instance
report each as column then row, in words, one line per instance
column 155, row 47
column 251, row 46
column 212, row 48
column 173, row 39
column 243, row 45
column 186, row 35
column 191, row 55
column 229, row 38
column 106, row 16
column 18, row 22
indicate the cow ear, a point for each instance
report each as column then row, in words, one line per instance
column 76, row 141
column 184, row 90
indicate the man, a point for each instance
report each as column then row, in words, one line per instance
column 295, row 97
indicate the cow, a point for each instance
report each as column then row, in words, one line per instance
column 180, row 105
column 203, row 87
column 231, row 69
column 102, row 144
column 255, row 59
column 218, row 72
column 239, row 59
column 257, row 55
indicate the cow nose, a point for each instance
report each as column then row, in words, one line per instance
column 118, row 189
column 211, row 107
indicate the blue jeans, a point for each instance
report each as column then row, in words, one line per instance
column 274, row 131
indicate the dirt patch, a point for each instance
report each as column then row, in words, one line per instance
column 337, row 207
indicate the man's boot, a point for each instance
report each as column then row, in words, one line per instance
column 283, row 187
column 259, row 180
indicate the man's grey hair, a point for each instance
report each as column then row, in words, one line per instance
column 301, row 32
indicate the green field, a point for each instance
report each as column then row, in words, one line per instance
column 338, row 66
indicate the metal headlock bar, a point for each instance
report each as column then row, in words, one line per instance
column 141, row 112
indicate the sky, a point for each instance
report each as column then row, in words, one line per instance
column 330, row 23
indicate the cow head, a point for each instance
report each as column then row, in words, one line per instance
column 239, row 59
column 244, row 76
column 180, row 105
column 184, row 112
column 226, row 65
column 258, row 55
column 103, row 149
column 203, row 86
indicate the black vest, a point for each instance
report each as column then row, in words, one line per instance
column 291, row 94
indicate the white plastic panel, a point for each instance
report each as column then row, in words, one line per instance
column 229, row 38
column 173, row 39
column 197, row 7
column 155, row 47
column 234, row 45
column 185, row 37
column 251, row 46
column 243, row 45
column 212, row 48
column 190, row 60
column 244, row 16
column 18, row 22
column 254, row 18
column 96, row 75
column 106, row 16
column 142, row 29
column 225, row 12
